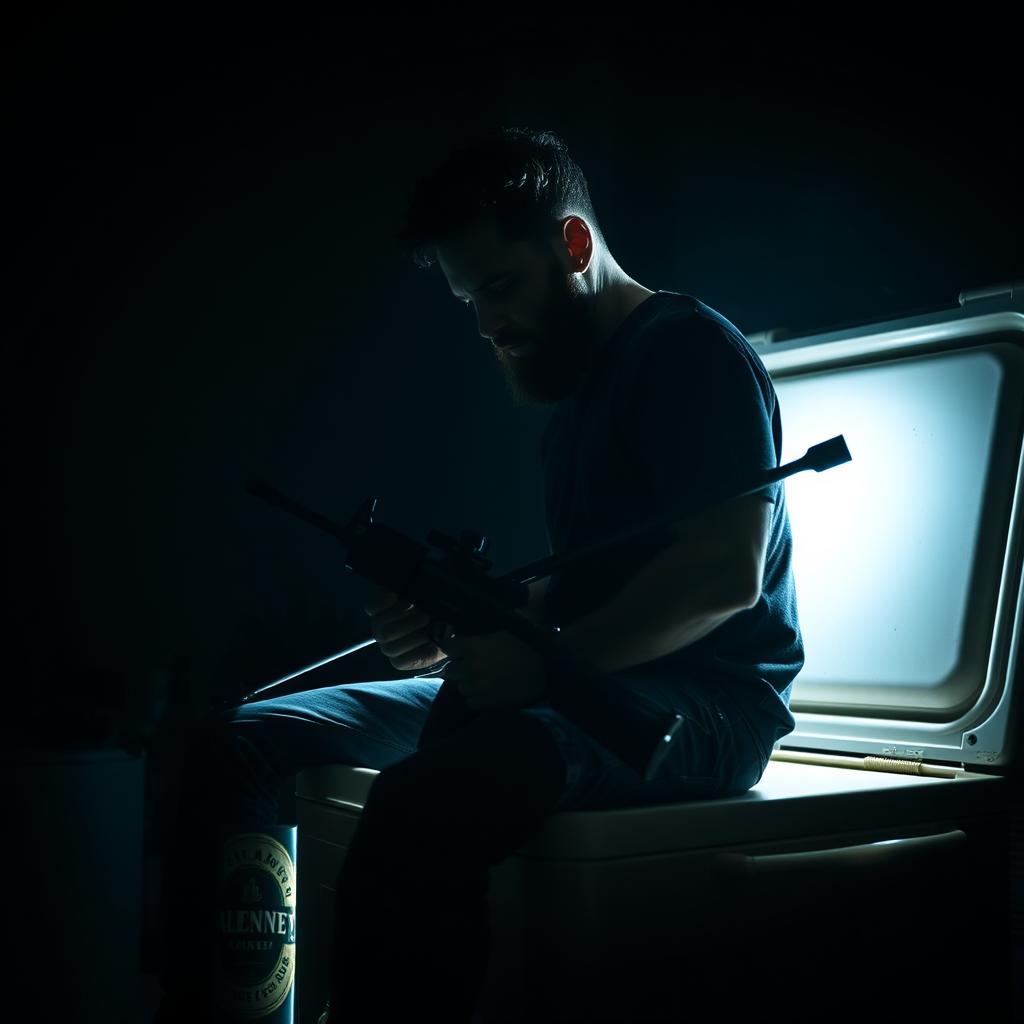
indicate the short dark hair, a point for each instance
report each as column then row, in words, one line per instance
column 524, row 179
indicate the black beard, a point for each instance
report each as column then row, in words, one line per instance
column 563, row 355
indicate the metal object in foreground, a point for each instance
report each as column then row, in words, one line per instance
column 456, row 592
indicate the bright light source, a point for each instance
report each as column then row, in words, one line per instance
column 883, row 546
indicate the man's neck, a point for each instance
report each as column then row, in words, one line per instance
column 615, row 304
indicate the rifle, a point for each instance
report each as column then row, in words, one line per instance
column 456, row 592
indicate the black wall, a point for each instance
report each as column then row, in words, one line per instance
column 204, row 286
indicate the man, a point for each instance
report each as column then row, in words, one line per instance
column 569, row 327
column 657, row 399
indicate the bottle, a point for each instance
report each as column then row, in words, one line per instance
column 254, row 972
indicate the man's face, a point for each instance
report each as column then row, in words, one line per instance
column 523, row 295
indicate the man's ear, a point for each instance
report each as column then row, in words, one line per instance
column 578, row 244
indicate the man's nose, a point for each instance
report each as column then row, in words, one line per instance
column 493, row 330
column 490, row 322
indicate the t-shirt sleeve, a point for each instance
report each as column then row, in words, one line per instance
column 696, row 418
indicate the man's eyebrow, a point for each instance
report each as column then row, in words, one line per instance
column 484, row 284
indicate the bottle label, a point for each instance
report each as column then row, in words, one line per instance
column 255, row 925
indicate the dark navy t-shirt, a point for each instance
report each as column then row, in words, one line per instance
column 677, row 404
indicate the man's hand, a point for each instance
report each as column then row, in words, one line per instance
column 495, row 670
column 400, row 630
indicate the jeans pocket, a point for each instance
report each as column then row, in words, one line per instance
column 737, row 756
column 704, row 757
column 728, row 760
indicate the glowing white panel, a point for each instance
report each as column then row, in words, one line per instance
column 883, row 546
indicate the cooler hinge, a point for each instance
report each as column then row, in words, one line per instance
column 870, row 763
column 1004, row 291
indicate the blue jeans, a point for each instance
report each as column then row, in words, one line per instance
column 413, row 887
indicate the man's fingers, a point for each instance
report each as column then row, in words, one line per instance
column 385, row 603
column 401, row 618
column 420, row 657
column 378, row 600
column 405, row 643
column 401, row 624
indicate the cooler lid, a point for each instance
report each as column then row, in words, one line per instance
column 907, row 560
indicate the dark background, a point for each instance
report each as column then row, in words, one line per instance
column 202, row 285
column 206, row 286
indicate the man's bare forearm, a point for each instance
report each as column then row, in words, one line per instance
column 670, row 603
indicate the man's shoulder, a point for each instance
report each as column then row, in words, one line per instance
column 689, row 347
column 686, row 332
column 684, row 328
